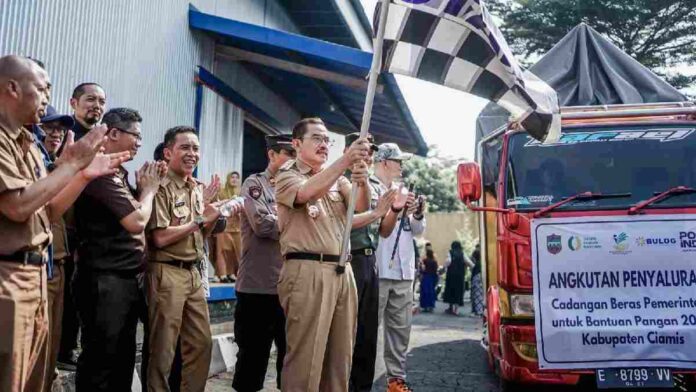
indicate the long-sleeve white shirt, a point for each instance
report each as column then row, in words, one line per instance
column 403, row 267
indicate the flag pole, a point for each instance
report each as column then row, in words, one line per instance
column 365, row 126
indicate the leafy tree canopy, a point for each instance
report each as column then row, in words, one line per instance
column 658, row 33
column 436, row 178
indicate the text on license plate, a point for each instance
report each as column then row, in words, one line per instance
column 634, row 378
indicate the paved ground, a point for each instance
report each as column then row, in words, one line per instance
column 444, row 356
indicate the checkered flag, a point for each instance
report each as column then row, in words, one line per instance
column 455, row 43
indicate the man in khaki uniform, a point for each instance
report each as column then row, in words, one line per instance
column 29, row 200
column 176, row 297
column 320, row 305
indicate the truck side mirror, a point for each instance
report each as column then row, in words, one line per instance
column 469, row 182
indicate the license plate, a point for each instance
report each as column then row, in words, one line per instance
column 634, row 378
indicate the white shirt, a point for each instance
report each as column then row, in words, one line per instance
column 403, row 267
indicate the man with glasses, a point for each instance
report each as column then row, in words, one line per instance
column 30, row 199
column 258, row 318
column 320, row 304
column 111, row 218
column 55, row 127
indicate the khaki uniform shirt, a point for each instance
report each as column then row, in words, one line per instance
column 21, row 165
column 60, row 240
column 177, row 202
column 299, row 230
column 259, row 268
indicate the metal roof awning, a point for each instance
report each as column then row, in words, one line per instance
column 318, row 78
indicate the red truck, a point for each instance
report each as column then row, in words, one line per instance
column 612, row 161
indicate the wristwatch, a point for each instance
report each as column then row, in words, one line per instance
column 200, row 222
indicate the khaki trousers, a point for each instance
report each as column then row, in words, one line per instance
column 321, row 319
column 395, row 314
column 23, row 326
column 228, row 251
column 56, row 289
column 177, row 308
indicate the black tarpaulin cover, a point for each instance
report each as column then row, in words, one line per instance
column 585, row 69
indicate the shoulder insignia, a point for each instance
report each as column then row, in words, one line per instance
column 255, row 192
column 288, row 165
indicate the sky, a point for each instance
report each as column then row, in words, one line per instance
column 446, row 117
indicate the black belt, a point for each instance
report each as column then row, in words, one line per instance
column 179, row 263
column 312, row 256
column 363, row 252
column 32, row 258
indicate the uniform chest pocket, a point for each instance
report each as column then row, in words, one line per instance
column 197, row 201
column 181, row 212
column 335, row 197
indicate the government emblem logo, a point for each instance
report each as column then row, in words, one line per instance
column 554, row 244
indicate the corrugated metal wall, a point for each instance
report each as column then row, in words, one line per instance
column 220, row 114
column 141, row 51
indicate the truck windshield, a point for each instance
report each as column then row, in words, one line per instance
column 641, row 160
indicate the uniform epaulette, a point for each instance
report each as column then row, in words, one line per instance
column 288, row 165
column 165, row 181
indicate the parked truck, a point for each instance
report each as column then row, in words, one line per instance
column 587, row 248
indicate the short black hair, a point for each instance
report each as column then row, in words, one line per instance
column 38, row 62
column 121, row 118
column 170, row 135
column 80, row 89
column 300, row 128
column 159, row 152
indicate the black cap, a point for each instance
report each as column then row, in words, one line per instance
column 279, row 142
column 352, row 137
column 52, row 115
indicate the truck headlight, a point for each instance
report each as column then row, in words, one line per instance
column 522, row 305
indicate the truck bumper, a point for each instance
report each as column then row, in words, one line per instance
column 518, row 361
column 518, row 364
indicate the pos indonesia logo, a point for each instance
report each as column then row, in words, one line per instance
column 554, row 244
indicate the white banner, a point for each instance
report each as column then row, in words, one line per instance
column 615, row 291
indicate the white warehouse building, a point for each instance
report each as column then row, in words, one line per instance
column 234, row 69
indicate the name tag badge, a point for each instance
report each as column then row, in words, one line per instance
column 179, row 203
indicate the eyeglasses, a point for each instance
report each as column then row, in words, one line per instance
column 137, row 136
column 318, row 140
column 53, row 129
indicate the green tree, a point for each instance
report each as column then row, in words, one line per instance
column 658, row 33
column 434, row 177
